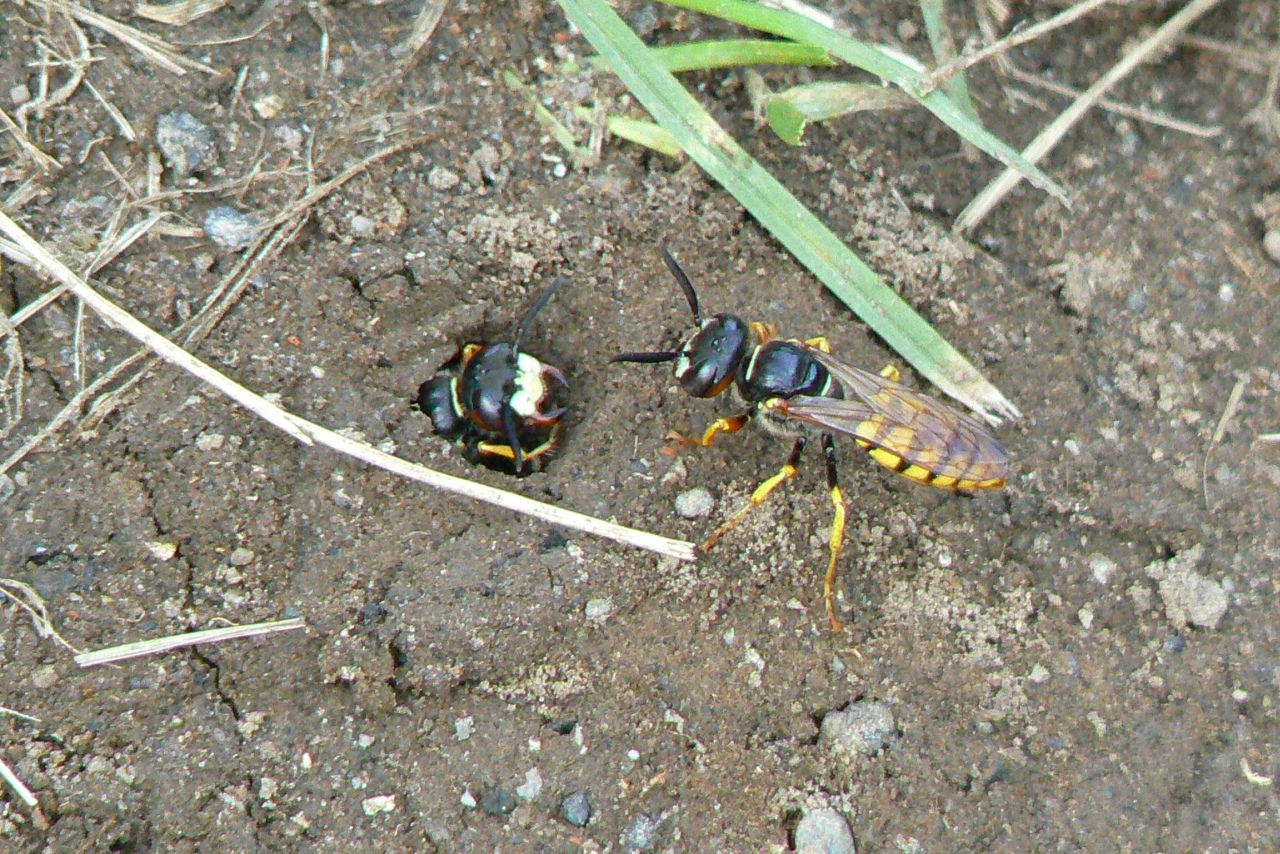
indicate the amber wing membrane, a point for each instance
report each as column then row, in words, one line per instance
column 911, row 433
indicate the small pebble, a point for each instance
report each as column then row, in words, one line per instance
column 362, row 226
column 1102, row 568
column 162, row 551
column 464, row 728
column 532, row 785
column 599, row 610
column 379, row 803
column 210, row 441
column 1271, row 243
column 440, row 178
column 1189, row 597
column 862, row 729
column 1172, row 644
column 1085, row 615
column 185, row 142
column 576, row 809
column 44, row 677
column 468, row 800
column 229, row 228
column 1039, row 674
column 824, row 831
column 268, row 106
column 695, row 503
column 497, row 801
column 19, row 94
column 240, row 556
column 640, row 834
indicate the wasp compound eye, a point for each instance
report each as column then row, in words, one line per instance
column 710, row 359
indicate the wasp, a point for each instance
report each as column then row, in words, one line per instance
column 793, row 387
column 492, row 405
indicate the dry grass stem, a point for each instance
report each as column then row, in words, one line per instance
column 178, row 14
column 166, row 644
column 25, row 597
column 125, row 126
column 1055, row 130
column 4, row 710
column 19, row 788
column 1250, row 60
column 423, row 28
column 1224, row 421
column 1015, row 38
column 11, row 383
column 1120, row 108
column 153, row 49
column 43, row 161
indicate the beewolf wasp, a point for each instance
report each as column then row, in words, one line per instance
column 791, row 387
column 492, row 405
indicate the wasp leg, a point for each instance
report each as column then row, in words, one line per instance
column 889, row 372
column 820, row 343
column 731, row 424
column 503, row 450
column 785, row 473
column 837, row 531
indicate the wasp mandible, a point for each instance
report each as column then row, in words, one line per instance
column 492, row 406
column 788, row 385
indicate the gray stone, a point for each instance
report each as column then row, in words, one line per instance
column 861, row 730
column 576, row 809
column 824, row 831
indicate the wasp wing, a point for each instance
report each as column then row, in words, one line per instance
column 919, row 430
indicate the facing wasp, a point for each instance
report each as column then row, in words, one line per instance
column 492, row 406
column 789, row 385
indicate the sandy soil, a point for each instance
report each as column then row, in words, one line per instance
column 1058, row 673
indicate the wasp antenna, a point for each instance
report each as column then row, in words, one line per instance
column 535, row 308
column 685, row 285
column 513, row 437
column 646, row 358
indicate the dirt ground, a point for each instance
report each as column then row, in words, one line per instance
column 1059, row 670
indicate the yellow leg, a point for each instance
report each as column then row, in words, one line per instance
column 890, row 373
column 820, row 343
column 727, row 425
column 502, row 449
column 837, row 533
column 787, row 471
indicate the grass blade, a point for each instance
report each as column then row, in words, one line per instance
column 777, row 210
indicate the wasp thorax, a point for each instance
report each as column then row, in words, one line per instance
column 710, row 358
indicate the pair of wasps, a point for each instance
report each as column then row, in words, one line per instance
column 492, row 407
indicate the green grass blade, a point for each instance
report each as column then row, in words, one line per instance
column 730, row 53
column 899, row 69
column 778, row 211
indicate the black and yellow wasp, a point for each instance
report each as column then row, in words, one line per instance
column 790, row 384
column 492, row 404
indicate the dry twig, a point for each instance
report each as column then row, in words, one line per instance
column 138, row 649
column 25, row 597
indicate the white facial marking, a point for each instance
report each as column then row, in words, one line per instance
column 529, row 386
